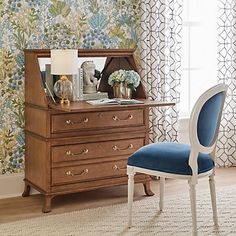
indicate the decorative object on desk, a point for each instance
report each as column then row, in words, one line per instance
column 114, row 101
column 63, row 89
column 120, row 90
column 97, row 95
column 90, row 81
column 64, row 62
column 79, row 85
column 123, row 83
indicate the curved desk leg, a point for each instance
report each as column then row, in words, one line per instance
column 147, row 189
column 26, row 192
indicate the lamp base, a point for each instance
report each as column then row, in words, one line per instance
column 65, row 101
column 63, row 90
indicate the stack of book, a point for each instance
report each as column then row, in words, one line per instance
column 94, row 96
column 77, row 83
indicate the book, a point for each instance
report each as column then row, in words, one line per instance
column 95, row 96
column 50, row 93
column 49, row 80
column 114, row 101
column 80, row 84
column 74, row 81
column 77, row 85
column 43, row 74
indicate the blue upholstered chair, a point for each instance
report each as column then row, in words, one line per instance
column 190, row 162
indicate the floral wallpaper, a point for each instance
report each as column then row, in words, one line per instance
column 51, row 24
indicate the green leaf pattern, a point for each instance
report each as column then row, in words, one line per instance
column 59, row 8
column 51, row 24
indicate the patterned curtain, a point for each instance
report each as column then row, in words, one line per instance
column 161, row 25
column 226, row 147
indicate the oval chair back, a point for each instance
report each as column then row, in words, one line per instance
column 204, row 123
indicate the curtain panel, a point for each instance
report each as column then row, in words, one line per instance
column 160, row 44
column 226, row 146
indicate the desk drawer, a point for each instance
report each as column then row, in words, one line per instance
column 92, row 120
column 89, row 172
column 83, row 151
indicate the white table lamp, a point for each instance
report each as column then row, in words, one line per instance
column 64, row 62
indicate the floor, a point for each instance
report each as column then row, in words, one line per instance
column 18, row 208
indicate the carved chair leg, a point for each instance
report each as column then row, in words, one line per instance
column 26, row 192
column 47, row 203
column 213, row 198
column 192, row 191
column 147, row 189
column 162, row 190
column 130, row 198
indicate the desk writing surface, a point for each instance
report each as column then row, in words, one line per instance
column 83, row 106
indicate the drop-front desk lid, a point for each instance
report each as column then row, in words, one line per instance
column 83, row 106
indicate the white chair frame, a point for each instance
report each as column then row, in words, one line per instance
column 196, row 147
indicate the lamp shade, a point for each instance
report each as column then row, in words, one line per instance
column 64, row 62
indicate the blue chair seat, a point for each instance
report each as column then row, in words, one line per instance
column 170, row 158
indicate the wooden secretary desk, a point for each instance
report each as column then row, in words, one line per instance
column 81, row 147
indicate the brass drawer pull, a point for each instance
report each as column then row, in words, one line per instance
column 130, row 117
column 116, row 167
column 70, row 173
column 70, row 153
column 115, row 148
column 70, row 122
